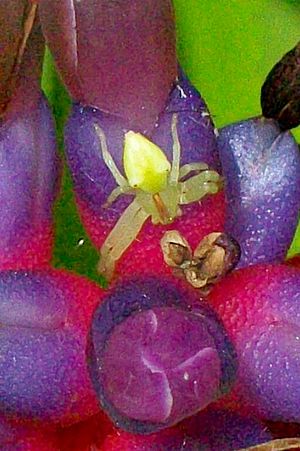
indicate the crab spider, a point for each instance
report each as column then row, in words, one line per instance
column 159, row 188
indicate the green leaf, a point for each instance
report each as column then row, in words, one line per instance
column 73, row 249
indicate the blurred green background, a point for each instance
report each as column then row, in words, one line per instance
column 227, row 48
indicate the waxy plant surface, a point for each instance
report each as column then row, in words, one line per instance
column 28, row 185
column 262, row 169
column 149, row 364
column 168, row 376
column 259, row 306
column 43, row 340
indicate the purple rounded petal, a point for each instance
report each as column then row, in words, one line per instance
column 92, row 179
column 127, row 73
column 43, row 338
column 157, row 355
column 29, row 172
column 262, row 170
column 160, row 360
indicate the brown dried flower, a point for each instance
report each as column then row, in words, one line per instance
column 215, row 256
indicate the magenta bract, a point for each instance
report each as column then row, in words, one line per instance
column 260, row 309
column 21, row 436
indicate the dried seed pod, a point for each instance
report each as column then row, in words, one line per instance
column 280, row 93
column 176, row 250
column 232, row 250
column 209, row 260
column 215, row 256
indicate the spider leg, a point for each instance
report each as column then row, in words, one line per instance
column 108, row 159
column 116, row 193
column 190, row 167
column 193, row 189
column 120, row 238
column 174, row 173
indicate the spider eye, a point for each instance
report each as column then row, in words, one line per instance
column 145, row 164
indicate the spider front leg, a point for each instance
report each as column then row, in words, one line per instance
column 123, row 185
column 196, row 187
column 178, row 172
column 191, row 167
column 125, row 189
column 175, row 168
column 120, row 238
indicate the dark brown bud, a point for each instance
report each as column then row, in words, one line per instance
column 280, row 94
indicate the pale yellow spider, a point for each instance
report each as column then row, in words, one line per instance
column 158, row 186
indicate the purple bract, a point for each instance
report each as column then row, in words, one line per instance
column 29, row 173
column 261, row 166
column 43, row 338
column 29, row 166
column 156, row 354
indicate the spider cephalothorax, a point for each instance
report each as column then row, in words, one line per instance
column 159, row 188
